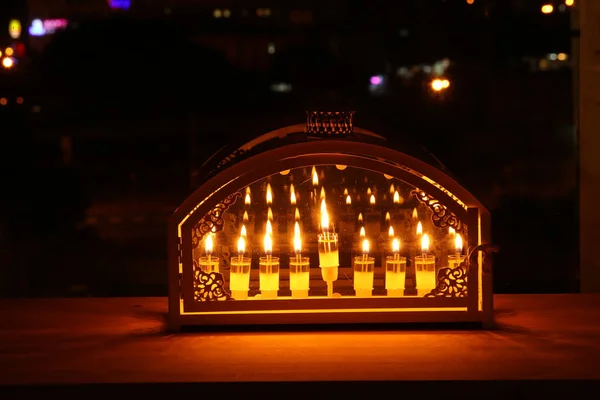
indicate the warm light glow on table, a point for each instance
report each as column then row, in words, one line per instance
column 364, row 272
column 268, row 270
column 395, row 271
column 328, row 251
column 239, row 277
column 299, row 268
column 547, row 9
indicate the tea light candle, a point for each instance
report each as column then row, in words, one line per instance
column 329, row 258
column 364, row 272
column 425, row 268
column 209, row 263
column 454, row 260
column 395, row 271
column 299, row 269
column 268, row 271
column 239, row 278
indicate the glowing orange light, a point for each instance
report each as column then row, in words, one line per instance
column 458, row 244
column 297, row 215
column 268, row 244
column 19, row 100
column 270, row 214
column 7, row 63
column 470, row 1
column 569, row 3
column 269, row 228
column 391, row 231
column 322, row 193
column 241, row 245
column 315, row 177
column 396, row 198
column 245, row 218
column 365, row 246
column 348, row 200
column 372, row 199
column 9, row 51
column 419, row 228
column 396, row 245
column 208, row 244
column 297, row 241
column 3, row 101
column 269, row 194
column 362, row 231
column 415, row 215
column 547, row 9
column 360, row 217
column 243, row 231
column 387, row 216
column 425, row 244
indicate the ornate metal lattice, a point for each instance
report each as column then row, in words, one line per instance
column 213, row 220
column 329, row 123
column 209, row 286
column 442, row 217
column 452, row 282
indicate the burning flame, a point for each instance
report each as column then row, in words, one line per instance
column 243, row 231
column 297, row 215
column 245, row 218
column 208, row 244
column 458, row 244
column 387, row 216
column 293, row 198
column 396, row 245
column 346, row 192
column 322, row 193
column 297, row 242
column 269, row 194
column 268, row 244
column 365, row 246
column 247, row 199
column 415, row 214
column 247, row 189
column 241, row 245
column 348, row 200
column 425, row 244
column 360, row 217
column 292, row 188
column 324, row 216
column 391, row 231
column 392, row 189
column 369, row 191
column 419, row 228
column 269, row 229
column 315, row 177
column 362, row 231
column 372, row 199
column 396, row 198
column 270, row 214
column 451, row 231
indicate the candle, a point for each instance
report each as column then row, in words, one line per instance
column 269, row 214
column 395, row 271
column 391, row 232
column 268, row 270
column 328, row 251
column 397, row 198
column 372, row 200
column 297, row 215
column 360, row 218
column 348, row 200
column 415, row 215
column 364, row 272
column 451, row 231
column 299, row 268
column 369, row 191
column 239, row 278
column 247, row 199
column 345, row 191
column 425, row 268
column 243, row 231
column 315, row 177
column 245, row 218
column 269, row 194
column 209, row 263
column 269, row 229
column 293, row 197
column 419, row 228
column 392, row 189
column 322, row 193
column 454, row 260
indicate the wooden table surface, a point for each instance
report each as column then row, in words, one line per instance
column 122, row 340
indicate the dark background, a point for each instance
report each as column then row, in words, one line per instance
column 120, row 109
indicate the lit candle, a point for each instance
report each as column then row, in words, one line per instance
column 451, row 231
column 239, row 277
column 348, row 200
column 269, row 214
column 395, row 271
column 297, row 215
column 454, row 260
column 269, row 194
column 369, row 191
column 346, row 192
column 396, row 198
column 364, row 272
column 328, row 251
column 419, row 228
column 415, row 215
column 372, row 200
column 293, row 197
column 208, row 263
column 391, row 232
column 247, row 198
column 392, row 189
column 268, row 270
column 245, row 218
column 299, row 268
column 315, row 177
column 360, row 218
column 425, row 268
column 269, row 229
column 322, row 193
column 243, row 231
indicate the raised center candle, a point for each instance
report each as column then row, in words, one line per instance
column 209, row 263
column 395, row 271
column 454, row 260
column 268, row 271
column 329, row 257
column 239, row 277
column 425, row 268
column 364, row 272
column 299, row 268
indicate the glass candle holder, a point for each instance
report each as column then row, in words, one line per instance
column 364, row 272
column 395, row 275
column 239, row 277
column 299, row 277
column 454, row 260
column 268, row 276
column 425, row 273
column 209, row 264
column 329, row 259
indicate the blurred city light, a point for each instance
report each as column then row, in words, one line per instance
column 561, row 56
column 7, row 63
column 440, row 84
column 569, row 3
column 119, row 4
column 226, row 13
column 470, row 1
column 14, row 28
column 217, row 13
column 376, row 80
column 19, row 100
column 547, row 8
column 3, row 101
column 9, row 51
column 37, row 28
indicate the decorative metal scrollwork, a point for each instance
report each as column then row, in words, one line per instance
column 452, row 282
column 442, row 217
column 329, row 123
column 213, row 220
column 209, row 286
